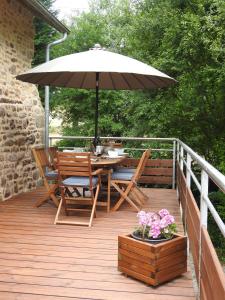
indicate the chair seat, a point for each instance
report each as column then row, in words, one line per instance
column 121, row 176
column 126, row 170
column 52, row 174
column 80, row 181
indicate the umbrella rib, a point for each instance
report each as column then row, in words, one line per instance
column 155, row 82
column 124, row 78
column 82, row 82
column 160, row 79
column 113, row 83
column 141, row 83
column 57, row 78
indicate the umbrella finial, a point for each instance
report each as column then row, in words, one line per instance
column 97, row 47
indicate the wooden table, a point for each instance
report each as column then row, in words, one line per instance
column 106, row 163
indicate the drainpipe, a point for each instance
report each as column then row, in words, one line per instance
column 47, row 89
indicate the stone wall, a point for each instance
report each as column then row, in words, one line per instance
column 21, row 112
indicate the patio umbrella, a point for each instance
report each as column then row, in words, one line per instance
column 97, row 69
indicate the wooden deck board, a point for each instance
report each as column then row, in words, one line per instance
column 39, row 260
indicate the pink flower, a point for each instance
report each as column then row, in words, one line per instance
column 142, row 218
column 163, row 212
column 149, row 218
column 163, row 222
column 169, row 219
column 155, row 217
column 155, row 230
column 155, row 224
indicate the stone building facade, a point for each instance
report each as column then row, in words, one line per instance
column 21, row 112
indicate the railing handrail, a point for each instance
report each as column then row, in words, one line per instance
column 122, row 138
column 214, row 174
column 207, row 171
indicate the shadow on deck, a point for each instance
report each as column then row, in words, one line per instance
column 39, row 260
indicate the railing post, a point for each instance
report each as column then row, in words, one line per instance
column 178, row 153
column 188, row 169
column 181, row 158
column 204, row 193
column 203, row 221
column 178, row 159
column 174, row 164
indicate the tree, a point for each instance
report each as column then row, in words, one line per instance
column 181, row 38
column 44, row 35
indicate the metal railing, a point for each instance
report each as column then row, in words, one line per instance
column 171, row 149
column 185, row 157
column 207, row 171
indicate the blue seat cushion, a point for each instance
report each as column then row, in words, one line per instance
column 51, row 174
column 80, row 181
column 121, row 176
column 126, row 170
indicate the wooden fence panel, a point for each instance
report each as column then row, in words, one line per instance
column 191, row 216
column 212, row 275
column 212, row 278
column 193, row 228
column 157, row 171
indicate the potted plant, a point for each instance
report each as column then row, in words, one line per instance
column 155, row 227
column 154, row 252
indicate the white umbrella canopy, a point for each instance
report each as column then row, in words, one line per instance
column 79, row 70
column 97, row 69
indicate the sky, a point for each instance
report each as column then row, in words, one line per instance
column 66, row 8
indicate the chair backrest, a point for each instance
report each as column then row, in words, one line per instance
column 52, row 153
column 141, row 165
column 41, row 159
column 74, row 164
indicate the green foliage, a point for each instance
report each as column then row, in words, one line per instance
column 44, row 35
column 183, row 39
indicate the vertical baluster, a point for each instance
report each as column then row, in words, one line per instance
column 203, row 220
column 181, row 158
column 188, row 169
column 174, row 164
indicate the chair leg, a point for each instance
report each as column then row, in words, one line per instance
column 63, row 195
column 51, row 189
column 124, row 196
column 138, row 197
column 54, row 199
column 109, row 191
column 39, row 202
column 135, row 198
column 93, row 211
column 142, row 193
column 58, row 211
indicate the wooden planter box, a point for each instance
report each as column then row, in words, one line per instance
column 152, row 263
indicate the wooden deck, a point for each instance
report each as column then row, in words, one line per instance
column 39, row 260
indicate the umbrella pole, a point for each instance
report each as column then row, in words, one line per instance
column 96, row 138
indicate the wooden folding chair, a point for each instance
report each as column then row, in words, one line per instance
column 52, row 152
column 126, row 184
column 75, row 171
column 48, row 175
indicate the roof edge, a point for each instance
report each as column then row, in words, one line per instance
column 39, row 10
